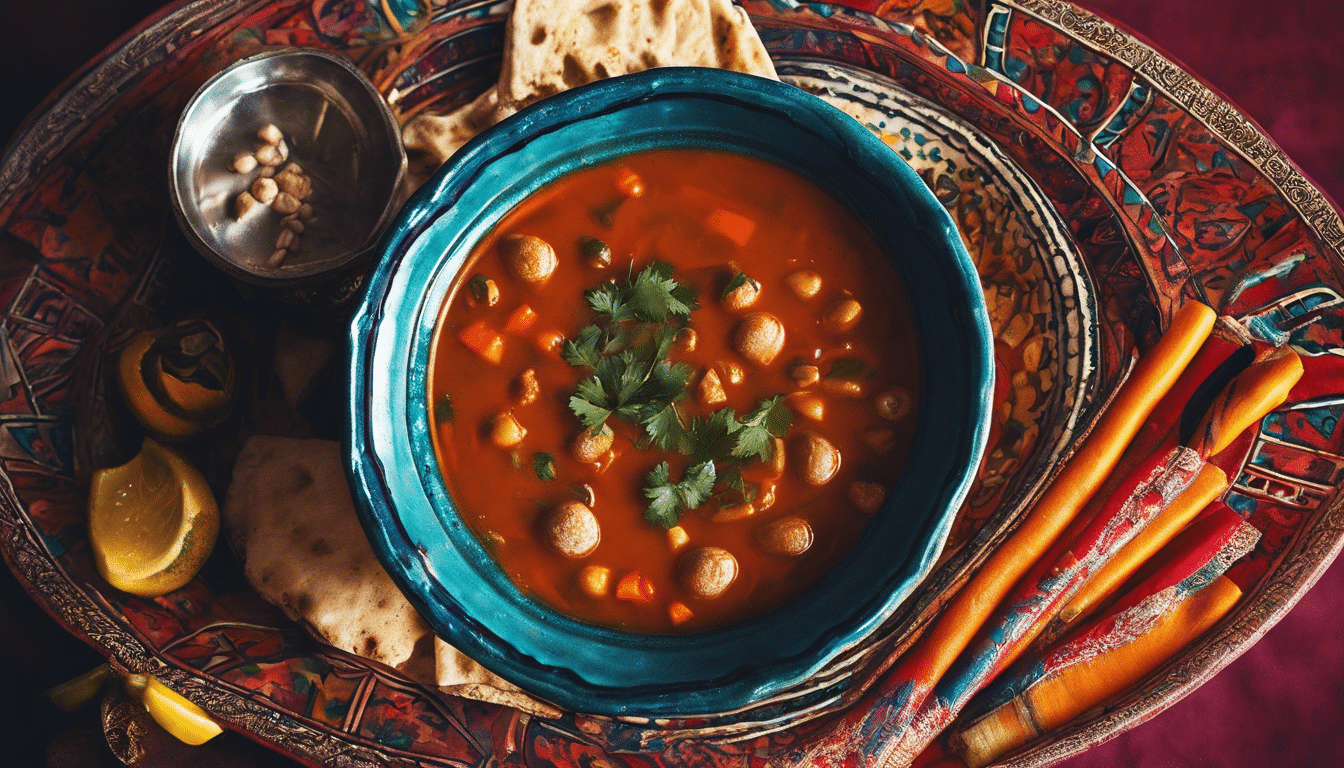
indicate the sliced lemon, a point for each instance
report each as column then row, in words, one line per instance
column 185, row 721
column 152, row 522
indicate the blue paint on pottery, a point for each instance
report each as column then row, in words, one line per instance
column 403, row 500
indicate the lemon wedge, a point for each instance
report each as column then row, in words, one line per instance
column 152, row 522
column 187, row 722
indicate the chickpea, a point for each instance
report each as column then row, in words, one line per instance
column 677, row 537
column 842, row 316
column 482, row 290
column 294, row 182
column 733, row 512
column 244, row 162
column 526, row 386
column 759, row 338
column 868, row 497
column 807, row 405
column 711, row 390
column 270, row 134
column 804, row 283
column 849, row 388
column 244, row 203
column 880, row 439
column 528, row 258
column 571, row 529
column 505, row 431
column 596, row 254
column 743, row 296
column 272, row 154
column 589, row 447
column 816, row 459
column 707, row 572
column 595, row 580
column 765, row 496
column 805, row 375
column 264, row 190
column 776, row 462
column 894, row 404
column 285, row 203
column 788, row 536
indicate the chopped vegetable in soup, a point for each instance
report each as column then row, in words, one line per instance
column 669, row 392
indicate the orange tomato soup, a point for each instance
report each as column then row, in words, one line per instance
column 766, row 254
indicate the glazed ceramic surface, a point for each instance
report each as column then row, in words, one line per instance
column 1060, row 145
column 416, row 528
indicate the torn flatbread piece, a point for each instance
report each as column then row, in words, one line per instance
column 553, row 45
column 289, row 511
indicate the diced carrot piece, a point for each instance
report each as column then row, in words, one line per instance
column 628, row 182
column 522, row 318
column 634, row 587
column 483, row 340
column 551, row 342
column 680, row 613
column 733, row 226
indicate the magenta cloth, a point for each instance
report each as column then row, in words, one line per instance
column 1281, row 705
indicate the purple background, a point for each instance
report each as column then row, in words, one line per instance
column 1281, row 704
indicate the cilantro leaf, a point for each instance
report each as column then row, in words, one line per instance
column 544, row 465
column 582, row 352
column 443, row 409
column 771, row 419
column 665, row 429
column 652, row 294
column 668, row 500
column 664, row 508
column 589, row 403
column 713, row 438
column 848, row 368
column 609, row 300
column 739, row 280
column 699, row 481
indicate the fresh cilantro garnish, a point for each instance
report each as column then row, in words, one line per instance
column 582, row 352
column 849, row 369
column 739, row 280
column 669, row 500
column 627, row 348
column 443, row 409
column 756, row 435
column 544, row 465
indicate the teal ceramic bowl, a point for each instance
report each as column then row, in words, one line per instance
column 402, row 498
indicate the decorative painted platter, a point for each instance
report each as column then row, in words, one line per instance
column 1097, row 185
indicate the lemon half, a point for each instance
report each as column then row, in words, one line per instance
column 152, row 522
column 170, row 709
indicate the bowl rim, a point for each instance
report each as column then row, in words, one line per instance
column 178, row 196
column 388, row 533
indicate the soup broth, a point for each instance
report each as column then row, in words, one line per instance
column 670, row 391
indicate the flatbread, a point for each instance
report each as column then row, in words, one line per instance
column 553, row 45
column 289, row 511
